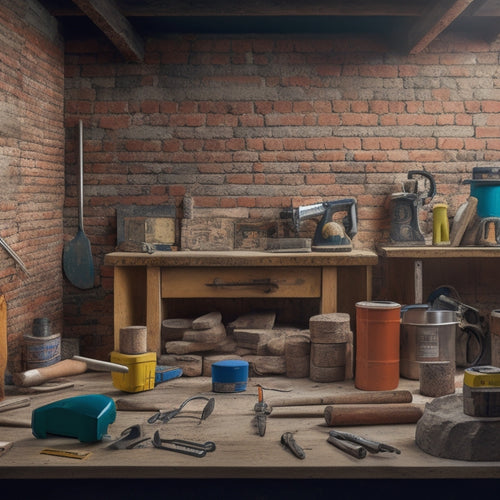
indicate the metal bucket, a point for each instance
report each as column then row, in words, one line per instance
column 426, row 335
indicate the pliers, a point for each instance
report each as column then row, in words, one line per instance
column 358, row 446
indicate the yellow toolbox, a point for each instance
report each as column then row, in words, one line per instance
column 141, row 371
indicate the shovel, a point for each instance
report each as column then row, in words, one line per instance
column 77, row 256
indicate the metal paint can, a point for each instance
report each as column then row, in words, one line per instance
column 377, row 345
column 41, row 351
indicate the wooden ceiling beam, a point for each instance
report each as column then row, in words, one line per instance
column 434, row 22
column 107, row 17
column 182, row 8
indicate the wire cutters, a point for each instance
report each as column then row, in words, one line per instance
column 181, row 446
column 165, row 417
column 357, row 446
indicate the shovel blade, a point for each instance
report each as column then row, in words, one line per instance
column 77, row 261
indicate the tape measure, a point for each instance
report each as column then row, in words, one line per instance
column 481, row 391
column 482, row 376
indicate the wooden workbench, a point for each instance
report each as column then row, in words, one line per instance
column 144, row 283
column 240, row 451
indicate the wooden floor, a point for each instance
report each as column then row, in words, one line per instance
column 240, row 452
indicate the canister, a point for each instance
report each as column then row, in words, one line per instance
column 426, row 335
column 377, row 345
column 229, row 375
column 487, row 192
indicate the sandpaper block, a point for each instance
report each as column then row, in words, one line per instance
column 289, row 244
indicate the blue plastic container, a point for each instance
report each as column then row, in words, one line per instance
column 229, row 375
column 487, row 193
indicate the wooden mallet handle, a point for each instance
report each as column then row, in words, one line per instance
column 372, row 414
column 361, row 397
column 38, row 376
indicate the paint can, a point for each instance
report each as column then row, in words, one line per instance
column 229, row 375
column 41, row 351
column 377, row 345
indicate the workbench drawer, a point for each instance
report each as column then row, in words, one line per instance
column 229, row 282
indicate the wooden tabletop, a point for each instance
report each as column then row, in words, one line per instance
column 242, row 258
column 240, row 452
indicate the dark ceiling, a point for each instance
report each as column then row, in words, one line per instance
column 408, row 25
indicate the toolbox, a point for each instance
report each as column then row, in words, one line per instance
column 141, row 371
column 84, row 417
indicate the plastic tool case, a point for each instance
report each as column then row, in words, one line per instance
column 83, row 417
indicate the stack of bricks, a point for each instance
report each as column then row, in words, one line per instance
column 331, row 357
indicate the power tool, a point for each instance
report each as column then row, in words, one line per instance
column 330, row 235
column 405, row 206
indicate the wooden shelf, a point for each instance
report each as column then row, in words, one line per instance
column 438, row 252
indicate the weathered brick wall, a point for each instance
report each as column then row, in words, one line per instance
column 248, row 125
column 31, row 168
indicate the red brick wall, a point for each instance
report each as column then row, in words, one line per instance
column 31, row 169
column 249, row 124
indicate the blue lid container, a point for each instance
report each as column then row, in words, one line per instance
column 487, row 192
column 229, row 375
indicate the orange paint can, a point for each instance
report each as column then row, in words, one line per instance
column 377, row 345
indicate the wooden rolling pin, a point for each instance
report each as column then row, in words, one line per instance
column 372, row 414
column 38, row 376
column 361, row 397
column 64, row 368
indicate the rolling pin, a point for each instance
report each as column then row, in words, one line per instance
column 375, row 397
column 372, row 414
column 65, row 368
column 38, row 376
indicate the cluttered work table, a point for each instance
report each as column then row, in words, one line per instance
column 240, row 451
column 144, row 283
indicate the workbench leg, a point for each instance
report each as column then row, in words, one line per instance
column 122, row 296
column 154, row 309
column 418, row 282
column 329, row 291
column 129, row 292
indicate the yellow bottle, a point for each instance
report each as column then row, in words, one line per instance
column 440, row 225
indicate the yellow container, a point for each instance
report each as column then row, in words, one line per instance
column 482, row 377
column 141, row 371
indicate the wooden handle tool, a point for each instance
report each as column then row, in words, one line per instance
column 361, row 397
column 38, row 376
column 104, row 366
column 372, row 414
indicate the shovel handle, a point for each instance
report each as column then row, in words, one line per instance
column 80, row 181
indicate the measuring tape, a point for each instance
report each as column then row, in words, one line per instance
column 482, row 376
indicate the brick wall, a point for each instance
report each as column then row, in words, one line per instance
column 31, row 169
column 248, row 125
